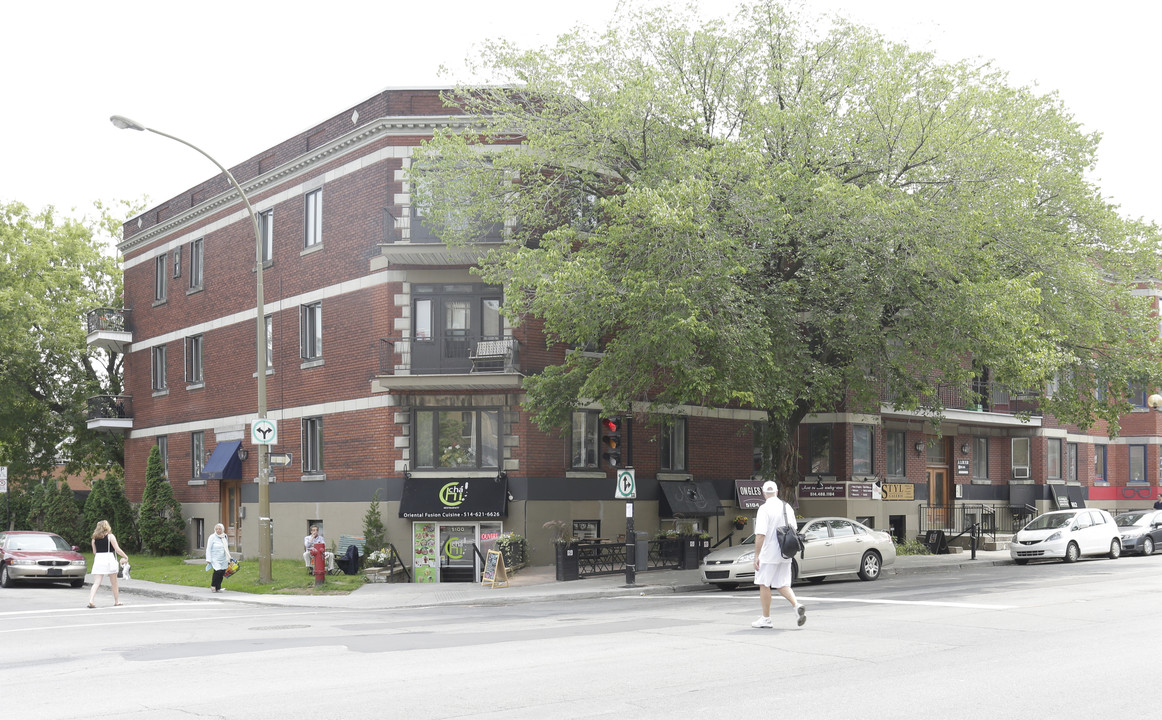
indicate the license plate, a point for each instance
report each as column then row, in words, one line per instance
column 54, row 572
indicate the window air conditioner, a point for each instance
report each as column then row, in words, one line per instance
column 1020, row 472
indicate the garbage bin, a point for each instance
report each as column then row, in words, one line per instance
column 642, row 550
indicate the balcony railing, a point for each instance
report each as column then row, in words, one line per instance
column 983, row 397
column 110, row 412
column 404, row 224
column 106, row 320
column 448, row 354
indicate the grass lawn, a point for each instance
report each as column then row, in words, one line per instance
column 289, row 577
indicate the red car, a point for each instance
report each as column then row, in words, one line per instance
column 28, row 555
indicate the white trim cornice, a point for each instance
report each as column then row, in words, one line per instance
column 383, row 127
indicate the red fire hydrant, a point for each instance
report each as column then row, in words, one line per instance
column 319, row 556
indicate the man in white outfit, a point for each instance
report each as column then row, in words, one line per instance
column 772, row 570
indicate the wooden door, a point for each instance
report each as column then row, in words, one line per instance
column 231, row 508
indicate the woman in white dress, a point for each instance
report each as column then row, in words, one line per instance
column 105, row 552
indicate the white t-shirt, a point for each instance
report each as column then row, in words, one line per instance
column 772, row 515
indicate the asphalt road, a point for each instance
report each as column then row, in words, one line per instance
column 1044, row 640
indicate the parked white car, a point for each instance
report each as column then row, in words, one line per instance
column 1067, row 535
column 831, row 546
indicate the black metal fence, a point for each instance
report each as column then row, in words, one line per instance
column 957, row 519
column 608, row 558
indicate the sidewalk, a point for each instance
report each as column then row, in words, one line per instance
column 531, row 584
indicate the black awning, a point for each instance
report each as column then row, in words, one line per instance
column 224, row 463
column 688, row 498
column 1022, row 495
column 454, row 498
column 1076, row 496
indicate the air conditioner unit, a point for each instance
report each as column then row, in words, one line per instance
column 1020, row 472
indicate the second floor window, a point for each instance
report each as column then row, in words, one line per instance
column 163, row 451
column 266, row 232
column 819, row 449
column 895, row 453
column 1137, row 463
column 457, row 438
column 583, row 440
column 196, row 263
column 194, row 359
column 980, row 457
column 1053, row 458
column 673, row 445
column 198, row 452
column 1099, row 463
column 159, row 280
column 314, row 217
column 862, row 450
column 1071, row 462
column 1020, row 457
column 313, row 445
column 158, row 367
column 311, row 331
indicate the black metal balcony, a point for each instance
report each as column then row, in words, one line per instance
column 107, row 328
column 110, row 412
column 983, row 397
column 405, row 224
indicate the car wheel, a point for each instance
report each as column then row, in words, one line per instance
column 727, row 586
column 5, row 578
column 1147, row 546
column 1071, row 553
column 869, row 566
column 817, row 579
column 1115, row 549
column 1021, row 561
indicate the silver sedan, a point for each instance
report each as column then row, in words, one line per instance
column 831, row 546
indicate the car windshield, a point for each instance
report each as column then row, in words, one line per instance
column 1050, row 521
column 37, row 543
column 1138, row 517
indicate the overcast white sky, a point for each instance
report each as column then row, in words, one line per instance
column 237, row 77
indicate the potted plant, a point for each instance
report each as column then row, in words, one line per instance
column 561, row 533
column 740, row 521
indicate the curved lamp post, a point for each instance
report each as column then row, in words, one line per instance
column 264, row 574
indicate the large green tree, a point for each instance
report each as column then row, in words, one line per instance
column 787, row 215
column 54, row 270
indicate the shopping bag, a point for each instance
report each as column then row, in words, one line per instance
column 231, row 568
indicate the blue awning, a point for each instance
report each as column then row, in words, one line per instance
column 224, row 463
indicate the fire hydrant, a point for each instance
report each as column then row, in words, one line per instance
column 319, row 556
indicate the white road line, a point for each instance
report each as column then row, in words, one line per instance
column 865, row 601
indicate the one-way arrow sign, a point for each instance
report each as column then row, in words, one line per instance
column 279, row 459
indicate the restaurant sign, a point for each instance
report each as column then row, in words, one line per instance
column 448, row 498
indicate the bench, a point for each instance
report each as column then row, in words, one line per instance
column 492, row 355
column 346, row 541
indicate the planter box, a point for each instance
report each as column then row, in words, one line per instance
column 567, row 567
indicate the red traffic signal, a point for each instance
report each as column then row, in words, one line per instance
column 611, row 439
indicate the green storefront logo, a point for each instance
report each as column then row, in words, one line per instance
column 452, row 494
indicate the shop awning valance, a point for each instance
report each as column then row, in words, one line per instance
column 454, row 498
column 224, row 463
column 688, row 498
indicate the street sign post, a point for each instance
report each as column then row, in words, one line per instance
column 264, row 432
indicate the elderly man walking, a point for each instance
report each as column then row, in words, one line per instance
column 772, row 570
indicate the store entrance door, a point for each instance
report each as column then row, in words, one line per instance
column 457, row 556
column 230, row 503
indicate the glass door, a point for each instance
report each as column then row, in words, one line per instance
column 457, row 553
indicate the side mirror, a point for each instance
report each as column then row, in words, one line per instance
column 76, row 549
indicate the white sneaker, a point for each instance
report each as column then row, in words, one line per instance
column 802, row 614
column 763, row 622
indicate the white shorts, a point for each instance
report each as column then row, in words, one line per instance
column 774, row 575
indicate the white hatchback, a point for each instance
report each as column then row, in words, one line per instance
column 1067, row 535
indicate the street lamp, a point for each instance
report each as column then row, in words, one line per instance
column 124, row 123
column 1154, row 401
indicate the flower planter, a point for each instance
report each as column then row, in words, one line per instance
column 567, row 566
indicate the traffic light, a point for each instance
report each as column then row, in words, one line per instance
column 611, row 440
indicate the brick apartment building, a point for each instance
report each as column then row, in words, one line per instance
column 389, row 368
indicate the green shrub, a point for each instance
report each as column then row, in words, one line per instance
column 107, row 501
column 912, row 547
column 374, row 534
column 159, row 520
column 514, row 549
